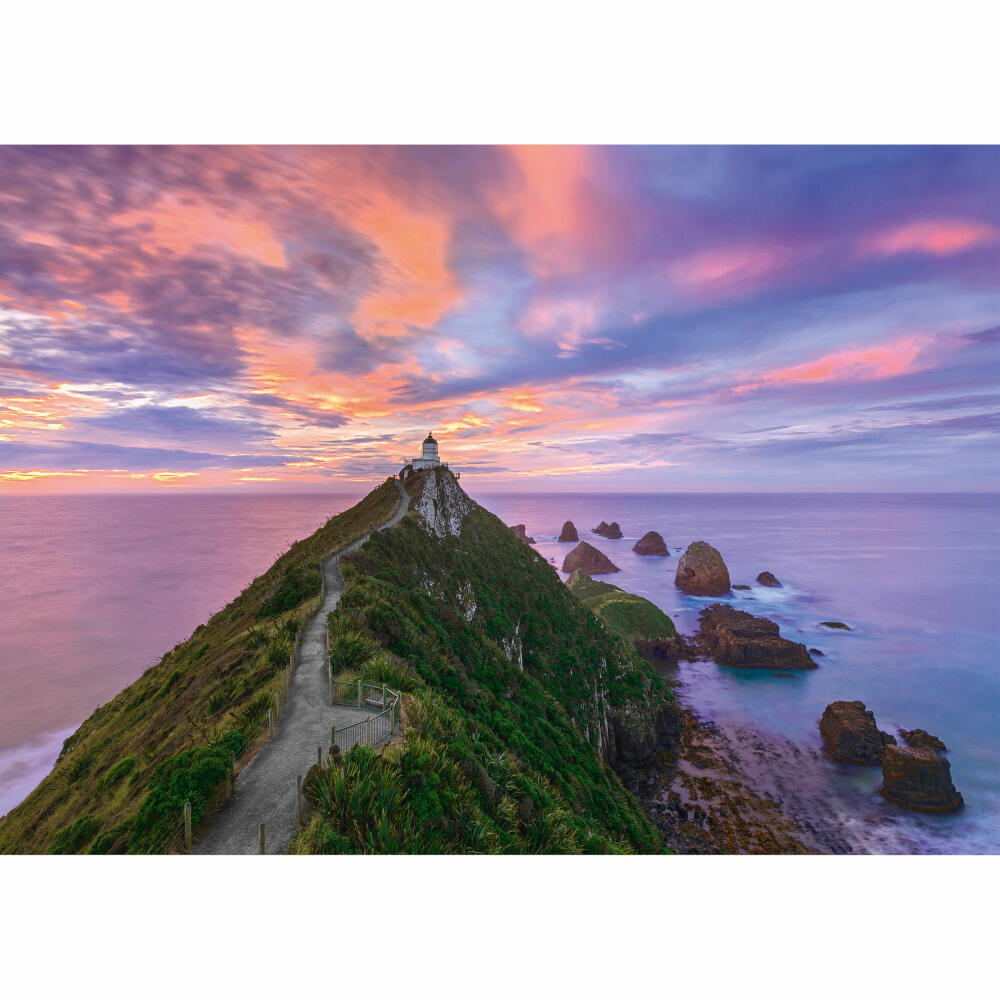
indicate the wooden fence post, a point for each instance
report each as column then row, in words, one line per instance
column 277, row 705
column 298, row 801
column 359, row 693
column 368, row 730
column 270, row 722
column 329, row 671
column 319, row 756
column 261, row 839
column 383, row 696
column 187, row 825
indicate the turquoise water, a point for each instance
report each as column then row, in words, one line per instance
column 915, row 576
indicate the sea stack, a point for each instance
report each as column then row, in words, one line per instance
column 592, row 561
column 851, row 734
column 919, row 778
column 768, row 579
column 738, row 639
column 651, row 544
column 569, row 533
column 922, row 739
column 611, row 530
column 519, row 531
column 701, row 571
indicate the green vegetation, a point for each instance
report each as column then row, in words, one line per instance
column 632, row 616
column 511, row 685
column 218, row 682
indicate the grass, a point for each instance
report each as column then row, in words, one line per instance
column 628, row 614
column 220, row 680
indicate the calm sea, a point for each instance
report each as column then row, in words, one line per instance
column 95, row 589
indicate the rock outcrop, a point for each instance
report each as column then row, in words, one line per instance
column 702, row 571
column 919, row 778
column 569, row 533
column 922, row 739
column 651, row 544
column 522, row 535
column 735, row 638
column 837, row 625
column 611, row 530
column 592, row 561
column 768, row 579
column 851, row 734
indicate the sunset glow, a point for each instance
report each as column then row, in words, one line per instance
column 298, row 318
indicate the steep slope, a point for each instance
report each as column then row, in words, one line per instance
column 123, row 776
column 519, row 701
column 633, row 616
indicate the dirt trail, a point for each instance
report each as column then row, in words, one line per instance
column 265, row 789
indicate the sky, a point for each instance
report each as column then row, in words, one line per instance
column 563, row 318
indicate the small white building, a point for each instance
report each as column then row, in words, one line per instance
column 429, row 458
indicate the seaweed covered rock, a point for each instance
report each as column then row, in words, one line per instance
column 851, row 735
column 701, row 571
column 919, row 778
column 736, row 638
column 651, row 544
column 592, row 561
column 768, row 579
column 521, row 534
column 569, row 533
column 922, row 739
column 611, row 530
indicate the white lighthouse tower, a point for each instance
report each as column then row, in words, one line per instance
column 429, row 459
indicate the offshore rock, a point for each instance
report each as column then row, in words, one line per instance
column 519, row 531
column 569, row 533
column 851, row 735
column 922, row 739
column 768, row 579
column 611, row 530
column 736, row 638
column 919, row 778
column 702, row 571
column 592, row 561
column 651, row 544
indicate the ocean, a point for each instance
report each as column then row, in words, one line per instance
column 96, row 588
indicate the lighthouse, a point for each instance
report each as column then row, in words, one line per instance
column 429, row 458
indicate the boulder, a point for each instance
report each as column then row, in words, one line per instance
column 851, row 734
column 611, row 530
column 519, row 531
column 768, row 579
column 922, row 739
column 736, row 638
column 702, row 571
column 741, row 586
column 837, row 625
column 919, row 778
column 651, row 544
column 569, row 533
column 592, row 561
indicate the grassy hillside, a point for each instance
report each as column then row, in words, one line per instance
column 632, row 616
column 123, row 776
column 518, row 700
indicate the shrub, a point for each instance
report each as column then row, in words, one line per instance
column 382, row 670
column 298, row 582
column 79, row 766
column 194, row 776
column 124, row 767
column 350, row 649
column 71, row 838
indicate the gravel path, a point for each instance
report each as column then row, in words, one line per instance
column 265, row 788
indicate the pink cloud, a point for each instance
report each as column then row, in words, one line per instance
column 937, row 237
column 898, row 357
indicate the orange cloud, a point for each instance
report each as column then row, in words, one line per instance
column 545, row 209
column 884, row 361
column 181, row 226
column 938, row 237
column 417, row 286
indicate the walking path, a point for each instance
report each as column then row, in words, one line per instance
column 265, row 788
